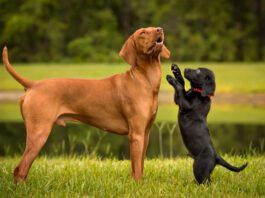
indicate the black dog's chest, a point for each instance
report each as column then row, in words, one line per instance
column 193, row 126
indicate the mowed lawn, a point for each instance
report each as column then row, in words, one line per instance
column 93, row 177
column 230, row 77
column 169, row 112
column 86, row 176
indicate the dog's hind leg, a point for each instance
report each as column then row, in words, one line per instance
column 36, row 138
column 39, row 123
column 203, row 165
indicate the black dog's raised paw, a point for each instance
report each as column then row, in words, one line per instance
column 177, row 73
column 175, row 69
column 171, row 80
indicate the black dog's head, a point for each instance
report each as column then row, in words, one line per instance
column 201, row 78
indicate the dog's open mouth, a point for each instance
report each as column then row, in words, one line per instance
column 159, row 40
column 157, row 43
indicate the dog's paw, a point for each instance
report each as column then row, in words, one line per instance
column 171, row 80
column 175, row 69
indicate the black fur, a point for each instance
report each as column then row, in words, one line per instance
column 192, row 118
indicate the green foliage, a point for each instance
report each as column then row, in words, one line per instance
column 83, row 48
column 48, row 30
column 92, row 177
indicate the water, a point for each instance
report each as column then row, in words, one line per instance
column 165, row 140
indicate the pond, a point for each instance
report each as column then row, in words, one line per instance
column 165, row 140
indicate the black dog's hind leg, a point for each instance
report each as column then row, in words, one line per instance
column 203, row 165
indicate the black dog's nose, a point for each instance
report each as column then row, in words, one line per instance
column 159, row 29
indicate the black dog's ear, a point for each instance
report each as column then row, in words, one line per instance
column 208, row 88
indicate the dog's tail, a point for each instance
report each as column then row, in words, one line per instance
column 23, row 81
column 225, row 164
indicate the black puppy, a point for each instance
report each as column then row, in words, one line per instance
column 194, row 106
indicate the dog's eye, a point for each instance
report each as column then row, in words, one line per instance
column 207, row 78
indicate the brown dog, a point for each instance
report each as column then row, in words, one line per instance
column 125, row 104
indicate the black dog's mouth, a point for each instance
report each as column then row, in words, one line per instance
column 187, row 74
column 190, row 76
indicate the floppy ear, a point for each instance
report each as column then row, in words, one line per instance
column 208, row 88
column 128, row 51
column 165, row 53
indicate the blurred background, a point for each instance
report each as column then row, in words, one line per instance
column 55, row 38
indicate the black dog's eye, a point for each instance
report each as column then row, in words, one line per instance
column 207, row 78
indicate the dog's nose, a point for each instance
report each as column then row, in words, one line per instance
column 159, row 29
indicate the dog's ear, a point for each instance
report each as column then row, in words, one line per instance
column 208, row 88
column 128, row 51
column 165, row 53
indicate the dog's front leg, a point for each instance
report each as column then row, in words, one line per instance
column 177, row 73
column 137, row 141
column 172, row 81
column 181, row 94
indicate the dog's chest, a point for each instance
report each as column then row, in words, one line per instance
column 200, row 107
column 154, row 108
column 154, row 78
column 154, row 105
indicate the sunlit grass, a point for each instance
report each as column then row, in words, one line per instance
column 230, row 77
column 219, row 114
column 71, row 176
column 169, row 112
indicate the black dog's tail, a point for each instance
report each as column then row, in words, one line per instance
column 222, row 162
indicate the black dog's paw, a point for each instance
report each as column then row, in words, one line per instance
column 175, row 69
column 177, row 73
column 171, row 80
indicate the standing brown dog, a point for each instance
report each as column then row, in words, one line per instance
column 125, row 104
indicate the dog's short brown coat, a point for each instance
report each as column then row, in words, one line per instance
column 125, row 103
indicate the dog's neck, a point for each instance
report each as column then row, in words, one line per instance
column 199, row 90
column 195, row 92
column 150, row 69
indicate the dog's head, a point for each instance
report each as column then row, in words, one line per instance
column 144, row 42
column 201, row 78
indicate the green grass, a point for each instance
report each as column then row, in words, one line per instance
column 218, row 114
column 230, row 77
column 78, row 177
